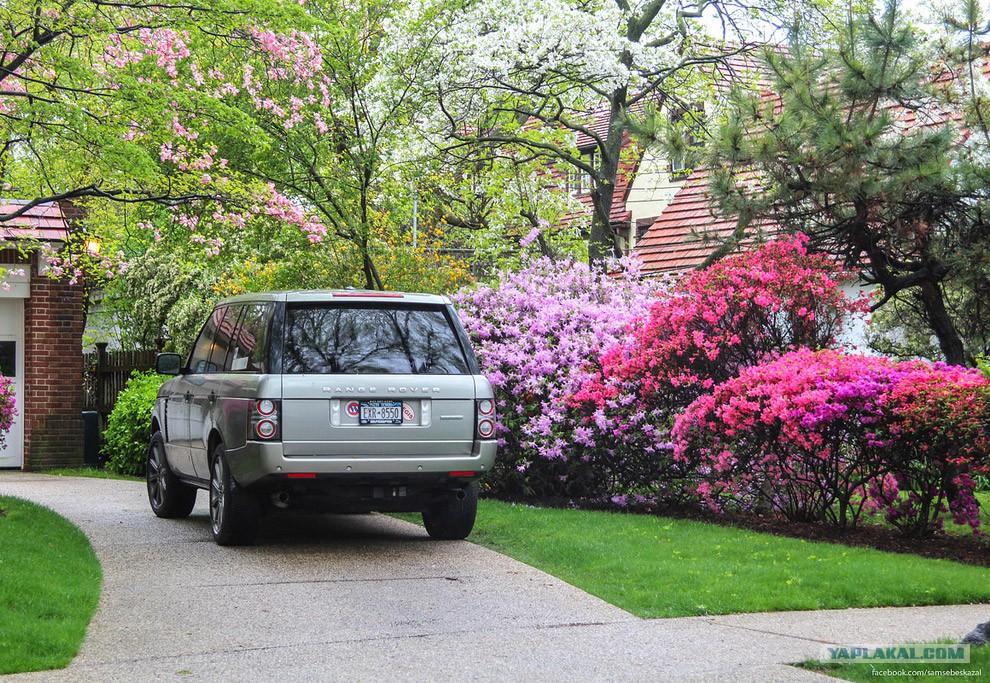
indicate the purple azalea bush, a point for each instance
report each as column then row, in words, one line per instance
column 539, row 334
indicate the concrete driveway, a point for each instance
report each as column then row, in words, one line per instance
column 366, row 597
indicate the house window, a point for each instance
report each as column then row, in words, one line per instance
column 578, row 180
column 686, row 127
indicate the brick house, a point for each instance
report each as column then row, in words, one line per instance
column 41, row 327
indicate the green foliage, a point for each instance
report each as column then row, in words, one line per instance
column 129, row 425
column 862, row 152
column 49, row 587
column 161, row 300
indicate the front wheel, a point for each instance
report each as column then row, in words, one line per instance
column 453, row 519
column 169, row 497
column 234, row 512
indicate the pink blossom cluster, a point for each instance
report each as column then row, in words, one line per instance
column 8, row 411
column 743, row 310
column 168, row 47
column 283, row 208
column 538, row 333
column 283, row 75
column 823, row 436
column 293, row 57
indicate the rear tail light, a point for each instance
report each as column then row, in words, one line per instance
column 265, row 424
column 485, row 425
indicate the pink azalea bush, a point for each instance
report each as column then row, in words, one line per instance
column 538, row 334
column 741, row 311
column 7, row 409
column 802, row 435
column 824, row 436
column 939, row 438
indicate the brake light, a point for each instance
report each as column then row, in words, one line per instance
column 264, row 423
column 485, row 425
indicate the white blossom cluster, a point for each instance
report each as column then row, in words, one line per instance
column 493, row 49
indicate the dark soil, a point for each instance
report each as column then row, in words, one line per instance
column 957, row 546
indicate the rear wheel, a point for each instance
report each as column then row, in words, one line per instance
column 454, row 518
column 234, row 512
column 169, row 497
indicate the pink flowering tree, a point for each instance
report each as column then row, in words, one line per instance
column 538, row 334
column 300, row 117
column 743, row 310
column 823, row 436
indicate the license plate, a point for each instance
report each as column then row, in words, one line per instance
column 380, row 412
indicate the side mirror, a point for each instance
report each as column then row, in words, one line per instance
column 168, row 364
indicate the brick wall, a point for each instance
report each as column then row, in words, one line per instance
column 53, row 391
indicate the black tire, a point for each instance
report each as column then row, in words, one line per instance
column 234, row 512
column 169, row 497
column 453, row 519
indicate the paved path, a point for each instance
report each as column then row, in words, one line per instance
column 367, row 597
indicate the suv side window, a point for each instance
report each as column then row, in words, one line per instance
column 249, row 345
column 368, row 340
column 211, row 346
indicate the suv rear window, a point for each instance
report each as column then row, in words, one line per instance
column 371, row 340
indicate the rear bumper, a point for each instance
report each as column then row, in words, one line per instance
column 260, row 464
column 360, row 493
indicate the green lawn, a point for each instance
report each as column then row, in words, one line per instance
column 49, row 587
column 659, row 567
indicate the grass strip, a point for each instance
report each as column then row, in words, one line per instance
column 661, row 567
column 49, row 587
column 978, row 669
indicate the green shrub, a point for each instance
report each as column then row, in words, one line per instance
column 129, row 425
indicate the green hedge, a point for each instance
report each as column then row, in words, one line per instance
column 129, row 425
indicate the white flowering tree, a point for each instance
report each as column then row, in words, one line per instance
column 527, row 75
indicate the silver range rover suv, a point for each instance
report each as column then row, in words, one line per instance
column 335, row 401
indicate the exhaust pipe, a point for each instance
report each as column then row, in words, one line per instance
column 281, row 499
column 460, row 494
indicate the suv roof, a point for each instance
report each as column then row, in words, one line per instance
column 341, row 295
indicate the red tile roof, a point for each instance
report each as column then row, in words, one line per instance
column 687, row 231
column 44, row 222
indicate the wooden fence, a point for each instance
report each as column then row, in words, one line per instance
column 106, row 373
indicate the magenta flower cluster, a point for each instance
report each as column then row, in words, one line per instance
column 723, row 388
column 7, row 407
column 742, row 311
column 826, row 436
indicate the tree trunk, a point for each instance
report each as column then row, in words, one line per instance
column 372, row 280
column 938, row 318
column 603, row 243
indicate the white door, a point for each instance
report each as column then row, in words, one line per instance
column 12, row 365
